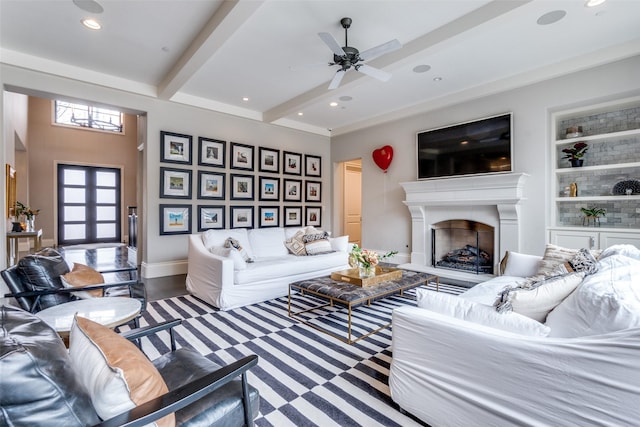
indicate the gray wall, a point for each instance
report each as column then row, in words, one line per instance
column 386, row 223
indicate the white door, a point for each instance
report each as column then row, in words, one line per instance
column 352, row 193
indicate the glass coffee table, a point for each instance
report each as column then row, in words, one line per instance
column 351, row 296
column 110, row 312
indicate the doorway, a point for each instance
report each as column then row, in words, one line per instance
column 352, row 200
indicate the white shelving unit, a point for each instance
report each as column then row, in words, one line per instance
column 612, row 131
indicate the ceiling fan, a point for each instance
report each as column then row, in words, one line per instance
column 348, row 56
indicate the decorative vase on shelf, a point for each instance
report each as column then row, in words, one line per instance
column 576, row 163
column 31, row 224
column 367, row 271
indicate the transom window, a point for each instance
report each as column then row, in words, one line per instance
column 87, row 116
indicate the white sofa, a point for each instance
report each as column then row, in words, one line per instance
column 226, row 281
column 456, row 363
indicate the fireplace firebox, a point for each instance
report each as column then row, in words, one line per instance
column 463, row 245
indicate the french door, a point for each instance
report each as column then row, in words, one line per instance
column 89, row 208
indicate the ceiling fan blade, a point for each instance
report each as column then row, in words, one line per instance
column 374, row 52
column 330, row 41
column 337, row 79
column 374, row 72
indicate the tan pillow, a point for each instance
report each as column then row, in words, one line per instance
column 555, row 255
column 83, row 275
column 295, row 245
column 117, row 375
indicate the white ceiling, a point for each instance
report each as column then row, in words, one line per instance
column 213, row 53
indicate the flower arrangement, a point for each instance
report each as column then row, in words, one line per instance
column 29, row 213
column 366, row 258
column 577, row 152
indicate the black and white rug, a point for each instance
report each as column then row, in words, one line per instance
column 305, row 377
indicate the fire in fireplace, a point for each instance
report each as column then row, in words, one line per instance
column 462, row 245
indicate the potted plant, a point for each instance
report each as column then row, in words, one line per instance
column 592, row 214
column 28, row 213
column 576, row 153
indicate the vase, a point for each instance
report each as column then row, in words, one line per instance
column 367, row 271
column 31, row 224
column 576, row 163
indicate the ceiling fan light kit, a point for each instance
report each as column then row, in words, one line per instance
column 347, row 57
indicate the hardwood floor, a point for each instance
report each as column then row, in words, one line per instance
column 165, row 287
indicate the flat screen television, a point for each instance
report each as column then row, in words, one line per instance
column 477, row 147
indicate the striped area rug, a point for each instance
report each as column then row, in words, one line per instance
column 305, row 377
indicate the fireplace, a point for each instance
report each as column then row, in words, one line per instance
column 491, row 200
column 462, row 245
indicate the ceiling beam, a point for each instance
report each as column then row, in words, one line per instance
column 454, row 28
column 227, row 19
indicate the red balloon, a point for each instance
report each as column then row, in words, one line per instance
column 383, row 156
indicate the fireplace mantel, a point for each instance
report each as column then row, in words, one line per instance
column 492, row 199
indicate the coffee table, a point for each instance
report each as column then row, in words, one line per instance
column 110, row 312
column 352, row 296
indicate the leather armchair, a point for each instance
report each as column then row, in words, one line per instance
column 38, row 384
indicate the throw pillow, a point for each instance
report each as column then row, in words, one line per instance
column 83, row 275
column 463, row 309
column 317, row 243
column 233, row 243
column 295, row 245
column 116, row 373
column 340, row 244
column 238, row 261
column 582, row 261
column 537, row 297
column 555, row 255
column 519, row 265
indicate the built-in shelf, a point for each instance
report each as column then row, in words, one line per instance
column 597, row 198
column 602, row 137
column 598, row 167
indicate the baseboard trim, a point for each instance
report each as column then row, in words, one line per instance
column 163, row 269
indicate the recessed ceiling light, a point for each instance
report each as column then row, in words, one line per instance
column 91, row 24
column 437, row 79
column 422, row 68
column 551, row 17
column 333, row 104
column 245, row 98
column 301, row 113
column 594, row 3
column 345, row 98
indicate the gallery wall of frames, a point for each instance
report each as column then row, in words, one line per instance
column 235, row 186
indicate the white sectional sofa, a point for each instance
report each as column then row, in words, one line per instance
column 458, row 362
column 221, row 277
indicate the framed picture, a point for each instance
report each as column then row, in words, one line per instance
column 313, row 190
column 241, row 156
column 210, row 217
column 212, row 152
column 241, row 216
column 292, row 216
column 175, row 183
column 175, row 147
column 269, row 160
column 312, row 165
column 175, row 219
column 269, row 216
column 292, row 190
column 269, row 188
column 292, row 163
column 210, row 185
column 241, row 187
column 312, row 216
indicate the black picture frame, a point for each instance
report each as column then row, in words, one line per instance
column 211, row 217
column 269, row 160
column 313, row 191
column 241, row 217
column 212, row 152
column 175, row 183
column 175, row 147
column 312, row 165
column 292, row 190
column 313, row 216
column 242, row 187
column 175, row 219
column 269, row 216
column 291, row 163
column 241, row 156
column 269, row 189
column 292, row 216
column 211, row 185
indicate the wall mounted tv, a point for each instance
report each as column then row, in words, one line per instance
column 477, row 147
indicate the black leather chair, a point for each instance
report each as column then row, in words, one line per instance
column 35, row 283
column 39, row 387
